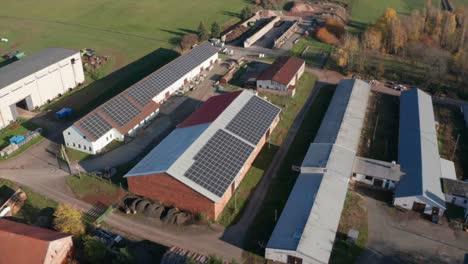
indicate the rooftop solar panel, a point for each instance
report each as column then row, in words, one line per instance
column 218, row 162
column 253, row 120
column 95, row 125
column 120, row 110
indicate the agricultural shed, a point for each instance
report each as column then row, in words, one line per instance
column 306, row 229
column 202, row 162
column 282, row 76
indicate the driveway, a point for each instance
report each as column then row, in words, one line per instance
column 403, row 237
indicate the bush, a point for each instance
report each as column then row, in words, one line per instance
column 335, row 27
column 94, row 250
column 188, row 41
column 68, row 220
column 325, row 36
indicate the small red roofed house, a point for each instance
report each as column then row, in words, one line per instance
column 282, row 76
column 27, row 244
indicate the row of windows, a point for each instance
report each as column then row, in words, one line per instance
column 454, row 199
column 79, row 146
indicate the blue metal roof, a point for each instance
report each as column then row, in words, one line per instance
column 418, row 150
column 168, row 151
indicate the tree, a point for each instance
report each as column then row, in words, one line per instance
column 124, row 257
column 212, row 259
column 202, row 31
column 385, row 20
column 373, row 39
column 396, row 36
column 414, row 25
column 69, row 220
column 188, row 41
column 326, row 37
column 94, row 250
column 335, row 27
column 245, row 13
column 346, row 53
column 449, row 25
column 215, row 30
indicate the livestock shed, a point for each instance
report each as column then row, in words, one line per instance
column 202, row 162
column 35, row 80
column 380, row 174
column 133, row 108
column 306, row 229
column 418, row 153
column 21, row 243
column 282, row 76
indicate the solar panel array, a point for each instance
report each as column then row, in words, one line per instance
column 218, row 162
column 253, row 120
column 145, row 90
column 120, row 110
column 95, row 125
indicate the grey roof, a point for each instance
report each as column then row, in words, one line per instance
column 447, row 168
column 455, row 187
column 211, row 159
column 310, row 218
column 464, row 109
column 377, row 168
column 31, row 64
column 418, row 149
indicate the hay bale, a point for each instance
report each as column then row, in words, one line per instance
column 141, row 206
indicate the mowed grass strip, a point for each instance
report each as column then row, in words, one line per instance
column 313, row 54
column 290, row 109
column 85, row 186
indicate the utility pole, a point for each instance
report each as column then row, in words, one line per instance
column 456, row 145
column 375, row 128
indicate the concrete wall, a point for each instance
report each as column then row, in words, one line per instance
column 41, row 86
column 362, row 178
column 457, row 200
column 407, row 203
column 77, row 140
column 58, row 250
column 250, row 41
column 287, row 34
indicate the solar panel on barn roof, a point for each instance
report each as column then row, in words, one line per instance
column 95, row 125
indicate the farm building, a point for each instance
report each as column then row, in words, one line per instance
column 306, row 229
column 202, row 162
column 420, row 188
column 456, row 192
column 137, row 105
column 21, row 243
column 35, row 80
column 380, row 174
column 282, row 76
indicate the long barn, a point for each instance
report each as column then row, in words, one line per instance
column 137, row 105
column 35, row 80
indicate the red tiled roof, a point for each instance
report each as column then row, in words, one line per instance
column 21, row 243
column 282, row 70
column 210, row 110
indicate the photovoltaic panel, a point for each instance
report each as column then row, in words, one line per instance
column 120, row 110
column 253, row 120
column 218, row 162
column 95, row 125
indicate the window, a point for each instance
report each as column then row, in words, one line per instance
column 74, row 145
column 369, row 178
column 68, row 144
column 107, row 139
column 110, row 135
column 69, row 133
column 465, row 201
column 79, row 145
column 84, row 137
column 454, row 199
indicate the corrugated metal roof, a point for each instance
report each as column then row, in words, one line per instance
column 377, row 168
column 455, row 187
column 282, row 70
column 31, row 64
column 184, row 158
column 448, row 169
column 332, row 153
column 418, row 148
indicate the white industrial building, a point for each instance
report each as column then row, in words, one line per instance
column 125, row 113
column 306, row 229
column 37, row 79
column 420, row 188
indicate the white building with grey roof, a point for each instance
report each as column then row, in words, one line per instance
column 133, row 108
column 37, row 79
column 306, row 229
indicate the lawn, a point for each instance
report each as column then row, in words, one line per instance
column 280, row 188
column 94, row 189
column 452, row 124
column 379, row 139
column 35, row 205
column 353, row 216
column 291, row 108
column 18, row 128
column 312, row 55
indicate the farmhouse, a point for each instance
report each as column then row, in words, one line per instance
column 133, row 108
column 420, row 188
column 35, row 80
column 306, row 229
column 282, row 76
column 21, row 243
column 202, row 162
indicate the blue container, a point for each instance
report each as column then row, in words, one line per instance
column 64, row 112
column 17, row 139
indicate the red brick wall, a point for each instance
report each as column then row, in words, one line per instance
column 169, row 191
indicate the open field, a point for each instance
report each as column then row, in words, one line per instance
column 280, row 188
column 452, row 124
column 290, row 110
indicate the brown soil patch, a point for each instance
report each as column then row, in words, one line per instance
column 108, row 200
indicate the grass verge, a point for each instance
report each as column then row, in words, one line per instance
column 76, row 155
column 280, row 188
column 86, row 186
column 291, row 107
column 353, row 216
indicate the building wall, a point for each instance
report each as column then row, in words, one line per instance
column 250, row 41
column 281, row 255
column 276, row 86
column 362, row 178
column 457, row 200
column 77, row 140
column 41, row 86
column 58, row 250
column 407, row 203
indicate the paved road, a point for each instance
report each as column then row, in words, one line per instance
column 402, row 237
